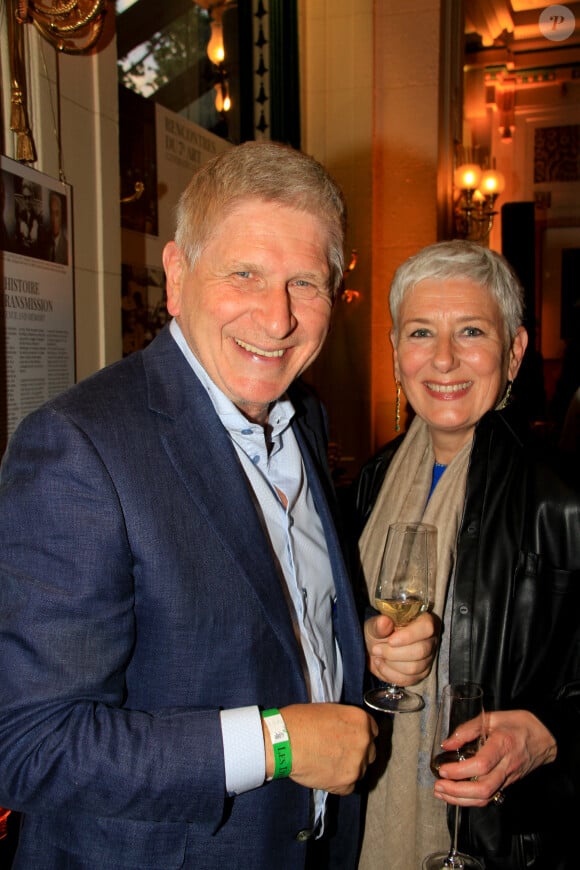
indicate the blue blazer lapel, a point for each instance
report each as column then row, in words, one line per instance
column 204, row 458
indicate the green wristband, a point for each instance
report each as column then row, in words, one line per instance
column 280, row 743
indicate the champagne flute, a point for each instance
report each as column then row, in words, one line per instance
column 460, row 703
column 402, row 592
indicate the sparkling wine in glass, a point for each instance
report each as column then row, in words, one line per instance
column 460, row 703
column 403, row 590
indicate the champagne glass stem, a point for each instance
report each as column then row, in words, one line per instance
column 453, row 859
column 393, row 690
column 456, row 830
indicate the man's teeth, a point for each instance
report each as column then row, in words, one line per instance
column 257, row 350
column 449, row 388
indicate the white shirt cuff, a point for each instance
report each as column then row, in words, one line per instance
column 244, row 754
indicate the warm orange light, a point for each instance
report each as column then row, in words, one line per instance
column 492, row 182
column 219, row 98
column 223, row 102
column 4, row 822
column 215, row 46
column 467, row 176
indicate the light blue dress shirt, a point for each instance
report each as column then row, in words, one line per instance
column 299, row 546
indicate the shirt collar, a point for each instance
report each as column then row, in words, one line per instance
column 281, row 411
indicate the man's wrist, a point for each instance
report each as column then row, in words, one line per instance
column 277, row 748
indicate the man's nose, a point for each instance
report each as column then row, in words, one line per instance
column 273, row 311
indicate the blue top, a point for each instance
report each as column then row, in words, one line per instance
column 438, row 470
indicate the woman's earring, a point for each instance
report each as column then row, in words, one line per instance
column 506, row 397
column 398, row 407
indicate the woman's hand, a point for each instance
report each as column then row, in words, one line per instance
column 405, row 656
column 517, row 743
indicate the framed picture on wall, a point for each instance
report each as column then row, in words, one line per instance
column 37, row 360
column 143, row 305
column 557, row 153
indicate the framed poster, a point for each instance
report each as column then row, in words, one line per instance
column 179, row 147
column 37, row 358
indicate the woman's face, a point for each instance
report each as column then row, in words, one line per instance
column 451, row 358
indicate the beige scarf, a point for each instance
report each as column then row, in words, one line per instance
column 404, row 821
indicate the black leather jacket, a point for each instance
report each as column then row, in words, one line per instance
column 515, row 629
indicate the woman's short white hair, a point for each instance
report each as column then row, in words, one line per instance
column 462, row 259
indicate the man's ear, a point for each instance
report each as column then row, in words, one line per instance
column 175, row 269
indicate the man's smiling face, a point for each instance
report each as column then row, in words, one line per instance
column 242, row 308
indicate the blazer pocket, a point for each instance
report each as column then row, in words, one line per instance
column 120, row 843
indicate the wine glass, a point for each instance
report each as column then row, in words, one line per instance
column 402, row 592
column 460, row 703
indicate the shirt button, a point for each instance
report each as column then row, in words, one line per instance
column 255, row 459
column 464, row 609
column 246, row 431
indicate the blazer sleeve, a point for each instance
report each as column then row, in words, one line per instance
column 67, row 632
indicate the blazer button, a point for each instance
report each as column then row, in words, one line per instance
column 304, row 835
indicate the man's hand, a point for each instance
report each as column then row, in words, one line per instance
column 517, row 743
column 405, row 656
column 332, row 745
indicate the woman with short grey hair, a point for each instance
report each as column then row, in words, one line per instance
column 507, row 588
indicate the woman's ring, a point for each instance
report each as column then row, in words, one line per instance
column 498, row 798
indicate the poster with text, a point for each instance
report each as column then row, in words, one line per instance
column 38, row 344
column 165, row 151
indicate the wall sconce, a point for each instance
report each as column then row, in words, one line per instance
column 346, row 295
column 223, row 102
column 478, row 191
column 216, row 53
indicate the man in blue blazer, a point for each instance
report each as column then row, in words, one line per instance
column 173, row 595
